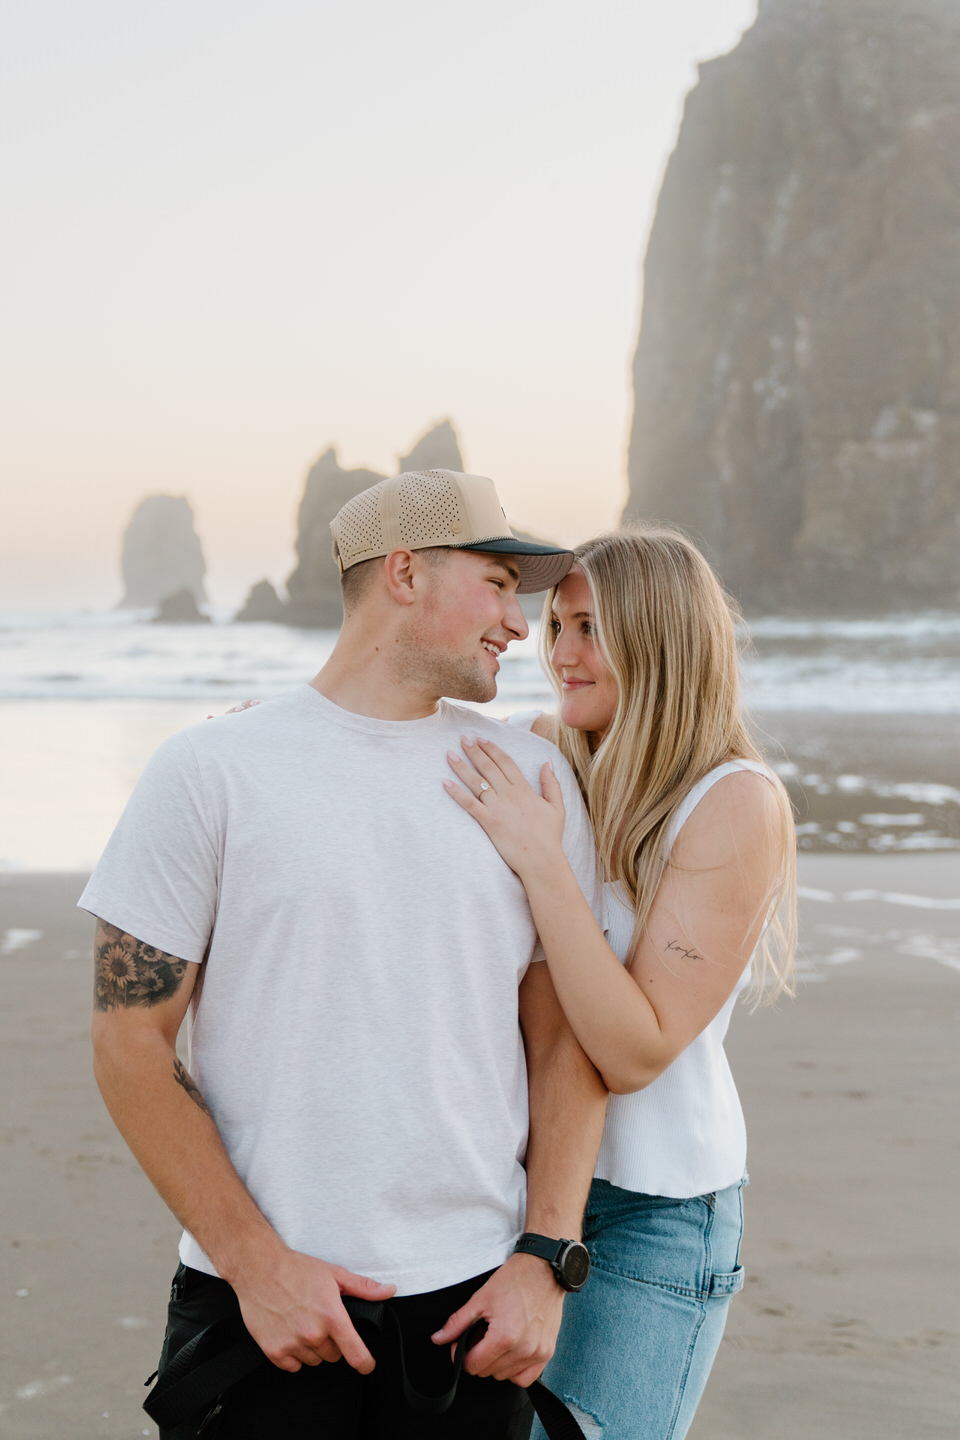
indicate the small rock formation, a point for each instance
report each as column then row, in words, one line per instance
column 179, row 609
column 797, row 376
column 314, row 586
column 262, row 604
column 161, row 553
column 439, row 449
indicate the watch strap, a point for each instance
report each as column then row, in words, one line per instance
column 540, row 1245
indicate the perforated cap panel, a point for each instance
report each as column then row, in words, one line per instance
column 428, row 507
column 365, row 531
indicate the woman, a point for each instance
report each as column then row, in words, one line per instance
column 696, row 840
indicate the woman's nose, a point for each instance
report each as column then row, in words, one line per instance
column 562, row 651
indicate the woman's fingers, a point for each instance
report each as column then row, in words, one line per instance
column 486, row 765
column 549, row 784
column 464, row 798
column 492, row 762
column 476, row 785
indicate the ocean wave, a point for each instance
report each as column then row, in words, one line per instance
column 908, row 665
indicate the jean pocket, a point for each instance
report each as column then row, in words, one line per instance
column 726, row 1283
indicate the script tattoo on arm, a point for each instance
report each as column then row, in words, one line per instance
column 130, row 973
column 679, row 950
column 183, row 1077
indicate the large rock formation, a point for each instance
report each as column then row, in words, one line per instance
column 797, row 376
column 161, row 553
column 314, row 586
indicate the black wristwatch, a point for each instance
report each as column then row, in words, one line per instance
column 568, row 1259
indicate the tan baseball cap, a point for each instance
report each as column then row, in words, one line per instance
column 424, row 508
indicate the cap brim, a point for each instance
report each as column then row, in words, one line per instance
column 541, row 566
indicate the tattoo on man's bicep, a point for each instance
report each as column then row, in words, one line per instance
column 129, row 973
column 687, row 954
column 184, row 1078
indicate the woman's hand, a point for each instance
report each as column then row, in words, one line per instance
column 526, row 828
column 235, row 709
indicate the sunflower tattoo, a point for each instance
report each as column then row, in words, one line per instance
column 131, row 973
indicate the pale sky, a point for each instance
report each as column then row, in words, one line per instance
column 237, row 233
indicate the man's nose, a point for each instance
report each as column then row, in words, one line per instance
column 515, row 620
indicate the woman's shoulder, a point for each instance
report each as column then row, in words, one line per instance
column 538, row 722
column 733, row 804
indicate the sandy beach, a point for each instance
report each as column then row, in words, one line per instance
column 848, row 1326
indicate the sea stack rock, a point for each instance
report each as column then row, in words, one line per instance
column 180, row 608
column 439, row 449
column 797, row 376
column 262, row 604
column 161, row 553
column 314, row 586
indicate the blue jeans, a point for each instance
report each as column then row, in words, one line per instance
column 637, row 1344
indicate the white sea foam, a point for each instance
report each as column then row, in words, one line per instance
column 114, row 657
column 908, row 664
column 887, row 897
column 14, row 940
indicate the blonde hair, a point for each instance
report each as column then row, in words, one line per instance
column 666, row 629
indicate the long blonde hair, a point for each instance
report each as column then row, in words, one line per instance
column 667, row 631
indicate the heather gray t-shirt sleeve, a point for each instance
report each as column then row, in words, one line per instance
column 158, row 876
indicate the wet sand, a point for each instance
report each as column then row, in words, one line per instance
column 848, row 1326
column 868, row 782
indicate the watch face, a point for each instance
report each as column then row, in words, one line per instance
column 575, row 1266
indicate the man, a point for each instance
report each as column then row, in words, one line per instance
column 354, row 957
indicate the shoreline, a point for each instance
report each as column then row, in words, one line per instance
column 847, row 1325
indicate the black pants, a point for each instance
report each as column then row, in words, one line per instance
column 333, row 1401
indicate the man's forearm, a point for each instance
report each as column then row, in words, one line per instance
column 164, row 1119
column 291, row 1303
column 140, row 998
column 522, row 1302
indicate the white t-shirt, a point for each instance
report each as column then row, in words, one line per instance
column 356, row 1034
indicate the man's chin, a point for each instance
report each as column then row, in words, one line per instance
column 475, row 687
column 475, row 695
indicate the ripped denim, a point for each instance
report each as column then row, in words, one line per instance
column 637, row 1344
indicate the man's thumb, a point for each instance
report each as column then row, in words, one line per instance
column 459, row 1321
column 363, row 1287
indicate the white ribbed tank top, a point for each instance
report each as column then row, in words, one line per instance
column 684, row 1134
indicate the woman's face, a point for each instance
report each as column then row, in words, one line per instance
column 589, row 691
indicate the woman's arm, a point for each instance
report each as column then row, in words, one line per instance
column 707, row 916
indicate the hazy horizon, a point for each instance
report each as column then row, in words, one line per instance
column 237, row 235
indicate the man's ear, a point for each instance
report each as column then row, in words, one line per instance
column 400, row 573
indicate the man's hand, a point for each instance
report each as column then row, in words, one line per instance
column 522, row 1305
column 294, row 1310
